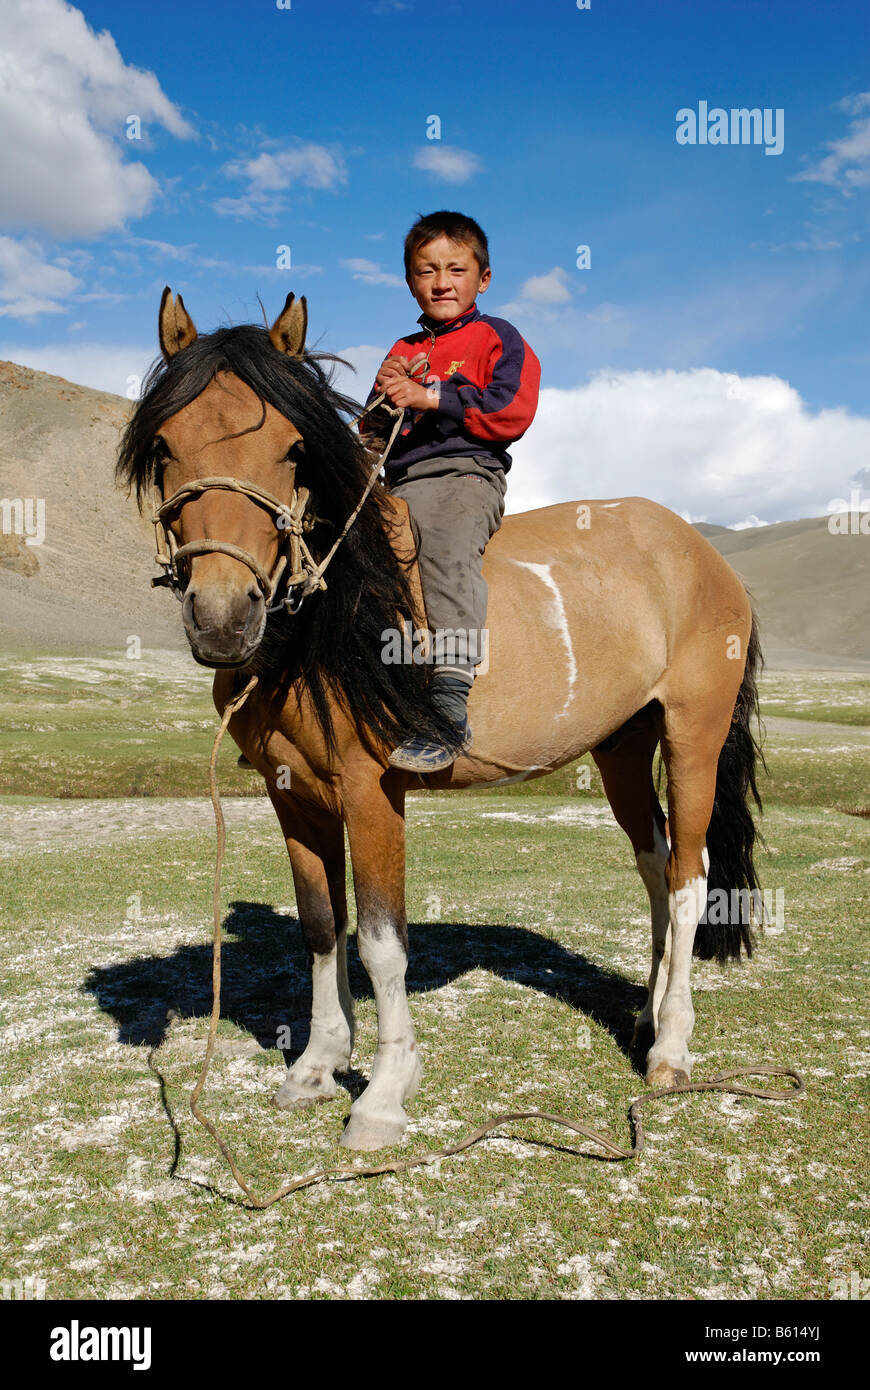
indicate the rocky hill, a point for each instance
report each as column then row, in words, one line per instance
column 88, row 584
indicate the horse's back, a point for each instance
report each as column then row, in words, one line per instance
column 604, row 557
column 588, row 604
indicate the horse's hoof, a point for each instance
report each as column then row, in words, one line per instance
column 372, row 1132
column 662, row 1076
column 295, row 1094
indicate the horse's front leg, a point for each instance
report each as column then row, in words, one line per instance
column 316, row 850
column 376, row 831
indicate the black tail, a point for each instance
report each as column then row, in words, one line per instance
column 732, row 834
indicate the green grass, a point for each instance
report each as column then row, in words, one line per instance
column 107, row 726
column 829, row 696
column 529, row 951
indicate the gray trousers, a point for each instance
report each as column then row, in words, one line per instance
column 456, row 504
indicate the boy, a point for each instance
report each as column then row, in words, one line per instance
column 468, row 385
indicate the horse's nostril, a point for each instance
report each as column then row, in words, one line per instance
column 254, row 594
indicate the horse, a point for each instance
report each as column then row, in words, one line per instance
column 614, row 628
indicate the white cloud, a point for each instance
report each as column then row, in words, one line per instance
column 65, row 96
column 29, row 285
column 847, row 165
column 447, row 163
column 270, row 174
column 366, row 359
column 552, row 288
column 547, row 298
column 103, row 367
column 312, row 165
column 705, row 443
column 606, row 313
column 370, row 272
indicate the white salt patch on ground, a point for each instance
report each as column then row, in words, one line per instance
column 844, row 864
column 570, row 814
column 170, row 666
column 450, row 1267
column 589, row 1280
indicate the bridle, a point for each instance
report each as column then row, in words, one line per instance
column 295, row 567
column 304, row 572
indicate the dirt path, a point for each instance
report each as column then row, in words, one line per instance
column 56, row 825
column 851, row 733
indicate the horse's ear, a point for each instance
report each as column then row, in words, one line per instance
column 175, row 326
column 288, row 331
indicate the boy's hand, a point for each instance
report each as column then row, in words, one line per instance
column 396, row 369
column 410, row 395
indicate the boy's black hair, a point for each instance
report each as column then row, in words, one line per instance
column 456, row 227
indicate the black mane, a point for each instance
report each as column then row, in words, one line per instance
column 335, row 642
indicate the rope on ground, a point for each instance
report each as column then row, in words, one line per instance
column 611, row 1152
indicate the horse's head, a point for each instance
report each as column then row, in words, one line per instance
column 227, row 543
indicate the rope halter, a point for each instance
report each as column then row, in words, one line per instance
column 290, row 519
column 305, row 573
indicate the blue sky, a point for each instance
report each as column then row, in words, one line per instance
column 719, row 274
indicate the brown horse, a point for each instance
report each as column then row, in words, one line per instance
column 613, row 627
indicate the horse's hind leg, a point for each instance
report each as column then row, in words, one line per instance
column 625, row 764
column 693, row 735
column 317, row 860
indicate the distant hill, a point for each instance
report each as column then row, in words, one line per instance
column 811, row 590
column 88, row 585
column 710, row 531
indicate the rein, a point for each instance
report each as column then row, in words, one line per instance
column 611, row 1152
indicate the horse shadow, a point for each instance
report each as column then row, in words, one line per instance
column 266, row 979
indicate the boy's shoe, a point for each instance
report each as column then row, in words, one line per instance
column 424, row 755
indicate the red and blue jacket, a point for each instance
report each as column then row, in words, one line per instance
column 488, row 380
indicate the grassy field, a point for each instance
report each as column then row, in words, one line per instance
column 112, row 727
column 529, row 948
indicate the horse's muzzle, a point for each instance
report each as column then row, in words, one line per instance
column 223, row 629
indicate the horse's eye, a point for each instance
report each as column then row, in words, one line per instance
column 296, row 451
column 161, row 449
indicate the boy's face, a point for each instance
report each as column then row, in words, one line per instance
column 445, row 278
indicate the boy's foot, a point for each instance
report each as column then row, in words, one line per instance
column 423, row 755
